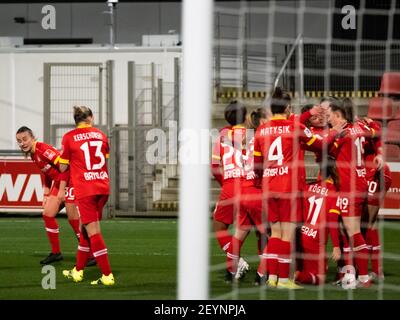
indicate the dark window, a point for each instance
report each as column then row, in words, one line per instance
column 342, row 56
column 378, row 4
column 314, row 56
column 375, row 27
column 341, row 83
column 396, row 26
column 370, row 83
column 341, row 3
column 395, row 57
column 372, row 57
column 313, row 83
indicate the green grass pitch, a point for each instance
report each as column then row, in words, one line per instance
column 143, row 255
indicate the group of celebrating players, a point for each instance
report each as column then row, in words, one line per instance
column 258, row 159
column 75, row 177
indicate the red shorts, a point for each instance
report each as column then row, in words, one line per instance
column 228, row 203
column 69, row 195
column 250, row 213
column 314, row 260
column 351, row 206
column 69, row 192
column 54, row 189
column 377, row 188
column 283, row 207
column 90, row 208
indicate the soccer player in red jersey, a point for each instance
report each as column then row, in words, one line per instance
column 228, row 169
column 379, row 180
column 85, row 150
column 47, row 159
column 250, row 212
column 348, row 150
column 280, row 162
column 321, row 218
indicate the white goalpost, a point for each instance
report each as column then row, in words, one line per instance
column 193, row 260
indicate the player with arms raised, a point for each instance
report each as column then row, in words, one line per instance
column 348, row 150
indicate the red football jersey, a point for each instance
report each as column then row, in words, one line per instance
column 348, row 150
column 321, row 212
column 277, row 147
column 46, row 157
column 85, row 149
column 228, row 152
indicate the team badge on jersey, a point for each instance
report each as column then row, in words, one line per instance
column 49, row 154
column 308, row 133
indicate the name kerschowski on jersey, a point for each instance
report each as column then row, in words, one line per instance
column 85, row 149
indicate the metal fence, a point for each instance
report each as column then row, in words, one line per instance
column 152, row 105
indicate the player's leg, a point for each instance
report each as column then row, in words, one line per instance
column 74, row 221
column 233, row 252
column 97, row 243
column 223, row 216
column 72, row 212
column 73, row 218
column 290, row 213
column 373, row 242
column 313, row 269
column 222, row 234
column 358, row 246
column 284, row 256
column 269, row 263
column 50, row 211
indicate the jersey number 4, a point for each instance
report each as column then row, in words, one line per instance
column 98, row 154
column 275, row 151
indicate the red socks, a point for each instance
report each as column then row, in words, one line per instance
column 360, row 254
column 374, row 246
column 52, row 230
column 233, row 254
column 223, row 238
column 284, row 259
column 269, row 260
column 100, row 253
column 83, row 252
column 75, row 226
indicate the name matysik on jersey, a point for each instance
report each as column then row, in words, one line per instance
column 85, row 149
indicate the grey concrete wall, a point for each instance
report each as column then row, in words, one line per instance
column 87, row 20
